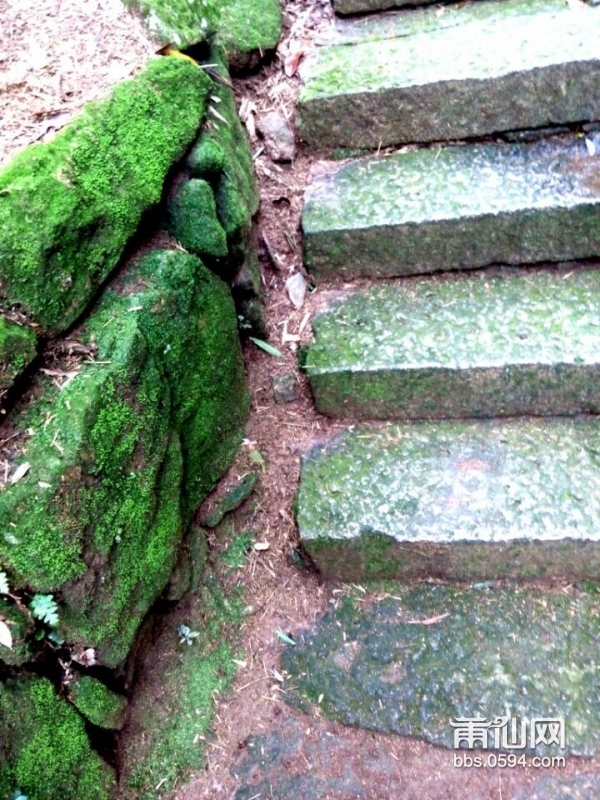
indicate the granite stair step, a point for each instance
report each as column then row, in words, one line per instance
column 492, row 343
column 366, row 6
column 414, row 661
column 455, row 208
column 501, row 65
column 478, row 500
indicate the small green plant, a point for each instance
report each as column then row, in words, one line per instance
column 43, row 607
column 186, row 634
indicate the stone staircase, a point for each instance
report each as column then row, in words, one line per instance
column 487, row 365
column 499, row 342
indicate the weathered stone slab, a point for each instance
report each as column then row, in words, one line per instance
column 361, row 6
column 428, row 18
column 480, row 75
column 412, row 663
column 454, row 208
column 578, row 787
column 466, row 501
column 451, row 348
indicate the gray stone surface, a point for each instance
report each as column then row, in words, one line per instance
column 429, row 17
column 513, row 69
column 550, row 787
column 285, row 387
column 273, row 767
column 454, row 208
column 412, row 663
column 278, row 136
column 481, row 345
column 466, row 501
column 362, row 6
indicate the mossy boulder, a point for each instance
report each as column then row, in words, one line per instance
column 44, row 749
column 193, row 325
column 193, row 221
column 69, row 206
column 222, row 157
column 122, row 456
column 17, row 350
column 248, row 29
column 180, row 23
column 102, row 707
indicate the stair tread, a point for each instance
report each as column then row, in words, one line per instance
column 429, row 17
column 510, row 342
column 415, row 659
column 458, row 500
column 365, row 6
column 454, row 207
column 512, row 70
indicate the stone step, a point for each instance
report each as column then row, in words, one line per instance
column 413, row 661
column 494, row 343
column 429, row 18
column 367, row 6
column 454, row 208
column 455, row 500
column 502, row 65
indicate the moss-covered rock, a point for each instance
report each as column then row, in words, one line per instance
column 122, row 456
column 44, row 750
column 17, row 350
column 231, row 500
column 68, row 207
column 223, row 158
column 193, row 220
column 97, row 703
column 246, row 289
column 193, row 325
column 181, row 23
column 248, row 29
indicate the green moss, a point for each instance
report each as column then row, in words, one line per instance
column 193, row 220
column 97, row 703
column 248, row 28
column 196, row 333
column 432, row 653
column 175, row 730
column 234, row 184
column 178, row 22
column 21, row 628
column 231, row 500
column 45, row 750
column 207, row 158
column 17, row 350
column 127, row 451
column 236, row 554
column 68, row 207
